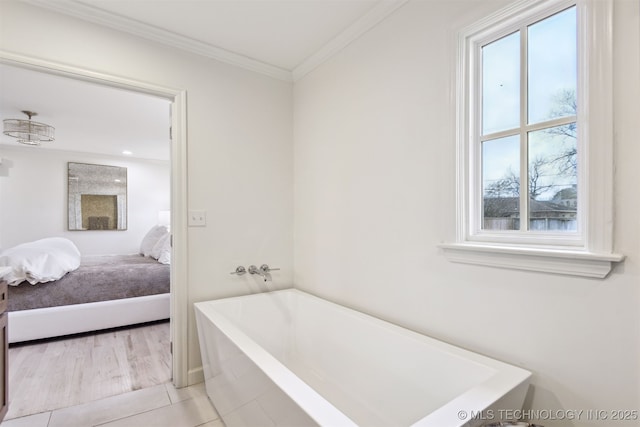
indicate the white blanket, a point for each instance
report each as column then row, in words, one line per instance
column 40, row 261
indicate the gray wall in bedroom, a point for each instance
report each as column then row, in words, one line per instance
column 33, row 195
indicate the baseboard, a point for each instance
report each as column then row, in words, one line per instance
column 195, row 376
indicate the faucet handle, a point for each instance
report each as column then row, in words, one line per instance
column 265, row 268
column 240, row 270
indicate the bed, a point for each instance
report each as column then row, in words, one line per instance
column 97, row 292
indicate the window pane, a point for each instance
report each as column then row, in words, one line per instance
column 501, row 183
column 552, row 65
column 501, row 84
column 553, row 179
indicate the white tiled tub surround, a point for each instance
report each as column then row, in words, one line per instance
column 290, row 358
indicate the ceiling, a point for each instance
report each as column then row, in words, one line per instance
column 281, row 38
column 282, row 33
column 87, row 117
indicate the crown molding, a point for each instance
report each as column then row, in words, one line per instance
column 93, row 14
column 150, row 32
column 372, row 18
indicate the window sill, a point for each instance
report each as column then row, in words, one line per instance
column 572, row 263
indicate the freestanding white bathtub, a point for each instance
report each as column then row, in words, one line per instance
column 288, row 358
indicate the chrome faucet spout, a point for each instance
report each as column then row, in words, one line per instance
column 260, row 272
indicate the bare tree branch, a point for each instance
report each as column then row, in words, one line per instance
column 502, row 195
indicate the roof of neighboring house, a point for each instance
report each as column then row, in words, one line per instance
column 507, row 206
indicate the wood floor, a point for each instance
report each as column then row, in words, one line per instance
column 55, row 374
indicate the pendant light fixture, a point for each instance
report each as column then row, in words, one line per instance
column 27, row 131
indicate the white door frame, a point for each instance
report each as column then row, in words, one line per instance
column 179, row 274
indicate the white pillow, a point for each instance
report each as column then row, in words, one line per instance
column 165, row 252
column 157, row 248
column 40, row 261
column 151, row 238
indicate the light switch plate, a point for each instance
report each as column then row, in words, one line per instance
column 197, row 218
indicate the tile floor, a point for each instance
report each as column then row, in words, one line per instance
column 158, row 406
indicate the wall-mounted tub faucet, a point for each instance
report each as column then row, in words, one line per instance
column 263, row 271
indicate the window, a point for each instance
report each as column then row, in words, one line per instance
column 527, row 131
column 534, row 176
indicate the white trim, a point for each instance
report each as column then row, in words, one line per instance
column 372, row 18
column 589, row 252
column 179, row 277
column 196, row 375
column 572, row 263
column 179, row 242
column 599, row 118
column 59, row 69
column 93, row 14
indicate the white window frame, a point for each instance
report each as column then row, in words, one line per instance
column 589, row 251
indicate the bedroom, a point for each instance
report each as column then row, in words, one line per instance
column 94, row 124
column 259, row 151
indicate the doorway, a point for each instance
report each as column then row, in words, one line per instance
column 177, row 162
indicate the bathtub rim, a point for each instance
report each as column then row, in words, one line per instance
column 312, row 403
column 504, row 380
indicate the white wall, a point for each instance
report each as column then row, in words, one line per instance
column 239, row 145
column 33, row 194
column 375, row 194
